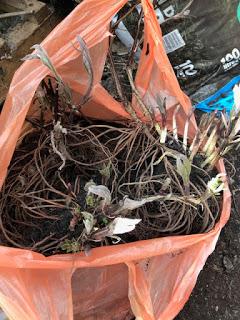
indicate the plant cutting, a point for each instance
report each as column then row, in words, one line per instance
column 93, row 184
column 146, row 277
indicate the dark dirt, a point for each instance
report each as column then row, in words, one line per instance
column 217, row 295
column 62, row 7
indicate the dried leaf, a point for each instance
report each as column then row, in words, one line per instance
column 59, row 128
column 57, row 143
column 41, row 54
column 166, row 184
column 88, row 221
column 163, row 136
column 158, row 128
column 129, row 204
column 201, row 134
column 88, row 65
column 30, row 56
column 144, row 108
column 116, row 239
column 76, row 212
column 162, row 157
column 211, row 159
column 236, row 129
column 186, row 128
column 73, row 223
column 161, row 105
column 211, row 141
column 100, row 191
column 184, row 167
column 100, row 235
column 174, row 122
column 123, row 225
column 88, row 184
column 224, row 120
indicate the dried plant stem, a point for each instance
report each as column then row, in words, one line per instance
column 146, row 112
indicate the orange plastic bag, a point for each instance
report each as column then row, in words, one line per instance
column 153, row 278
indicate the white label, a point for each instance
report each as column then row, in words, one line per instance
column 169, row 11
column 186, row 69
column 231, row 60
column 173, row 41
column 165, row 14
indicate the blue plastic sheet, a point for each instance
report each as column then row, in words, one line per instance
column 223, row 99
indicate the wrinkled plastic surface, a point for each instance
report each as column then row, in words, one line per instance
column 210, row 58
column 153, row 278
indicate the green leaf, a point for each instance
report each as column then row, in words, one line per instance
column 105, row 220
column 70, row 246
column 77, row 210
column 106, row 170
column 216, row 184
column 90, row 201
